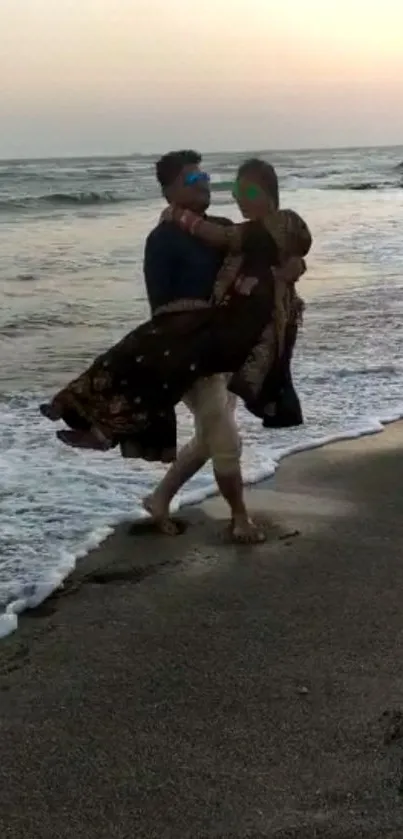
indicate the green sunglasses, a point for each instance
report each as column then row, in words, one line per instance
column 251, row 191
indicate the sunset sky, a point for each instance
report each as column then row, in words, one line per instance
column 119, row 76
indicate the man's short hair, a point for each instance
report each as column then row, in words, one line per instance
column 265, row 173
column 169, row 167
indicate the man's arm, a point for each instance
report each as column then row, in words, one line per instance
column 157, row 267
column 225, row 222
column 226, row 235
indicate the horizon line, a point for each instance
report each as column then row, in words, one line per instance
column 152, row 155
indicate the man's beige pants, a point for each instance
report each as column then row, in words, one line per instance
column 216, row 434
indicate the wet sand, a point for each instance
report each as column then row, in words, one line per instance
column 188, row 688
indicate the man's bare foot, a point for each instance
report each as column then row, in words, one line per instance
column 245, row 532
column 83, row 440
column 159, row 513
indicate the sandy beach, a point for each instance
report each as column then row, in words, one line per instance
column 189, row 688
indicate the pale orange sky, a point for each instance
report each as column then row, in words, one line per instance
column 105, row 76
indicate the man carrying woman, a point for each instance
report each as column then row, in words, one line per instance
column 217, row 310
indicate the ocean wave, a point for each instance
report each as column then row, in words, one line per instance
column 26, row 278
column 122, row 187
column 222, row 186
column 313, row 176
column 66, row 199
column 376, row 370
column 365, row 185
column 356, row 186
column 385, row 370
column 104, row 197
column 84, row 198
column 33, row 323
column 115, row 170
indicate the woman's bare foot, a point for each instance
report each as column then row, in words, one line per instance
column 83, row 440
column 159, row 513
column 245, row 532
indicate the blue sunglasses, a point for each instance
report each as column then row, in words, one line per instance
column 193, row 178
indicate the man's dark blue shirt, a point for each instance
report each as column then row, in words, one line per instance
column 178, row 265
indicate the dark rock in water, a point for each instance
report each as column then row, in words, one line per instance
column 399, row 167
column 26, row 277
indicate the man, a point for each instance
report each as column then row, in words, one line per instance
column 177, row 267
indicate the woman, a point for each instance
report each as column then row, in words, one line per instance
column 264, row 381
column 128, row 395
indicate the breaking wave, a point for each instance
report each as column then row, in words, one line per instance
column 66, row 199
column 362, row 187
